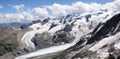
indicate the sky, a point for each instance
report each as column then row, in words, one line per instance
column 21, row 10
column 39, row 3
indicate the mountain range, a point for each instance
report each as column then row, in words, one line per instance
column 4, row 26
column 89, row 35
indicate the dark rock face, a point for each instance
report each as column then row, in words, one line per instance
column 45, row 21
column 118, row 57
column 43, row 40
column 85, row 53
column 61, row 19
column 68, row 16
column 36, row 21
column 107, row 29
column 62, row 36
column 68, row 28
column 99, row 13
column 24, row 26
column 87, row 17
column 111, row 57
column 52, row 25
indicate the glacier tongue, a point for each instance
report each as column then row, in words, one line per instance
column 26, row 39
column 52, row 49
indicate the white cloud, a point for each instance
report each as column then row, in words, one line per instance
column 12, row 17
column 18, row 7
column 41, row 12
column 113, row 6
column 77, row 7
column 56, row 10
column 80, row 7
column 16, row 17
column 28, row 15
column 1, row 6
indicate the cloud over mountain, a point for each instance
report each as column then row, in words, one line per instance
column 42, row 12
column 56, row 10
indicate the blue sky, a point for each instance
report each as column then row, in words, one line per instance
column 29, row 10
column 29, row 4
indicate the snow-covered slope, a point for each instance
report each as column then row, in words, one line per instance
column 77, row 26
column 101, row 43
column 86, row 35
